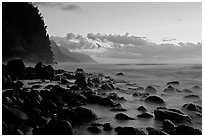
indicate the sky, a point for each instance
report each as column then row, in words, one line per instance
column 148, row 23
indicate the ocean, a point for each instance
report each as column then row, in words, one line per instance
column 143, row 75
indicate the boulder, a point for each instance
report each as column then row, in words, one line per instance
column 154, row 99
column 187, row 91
column 92, row 98
column 174, row 83
column 141, row 108
column 192, row 96
column 74, row 87
column 55, row 127
column 64, row 81
column 152, row 131
column 145, row 115
column 162, row 114
column 106, row 87
column 106, row 102
column 122, row 116
column 168, row 126
column 192, row 107
column 81, row 82
column 176, row 110
column 118, row 108
column 94, row 129
column 129, row 131
column 16, row 68
column 186, row 130
column 170, row 89
column 107, row 127
column 13, row 116
column 43, row 71
column 85, row 114
column 150, row 89
column 120, row 74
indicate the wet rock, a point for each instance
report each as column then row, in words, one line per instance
column 192, row 107
column 129, row 131
column 85, row 114
column 118, row 128
column 107, row 127
column 162, row 114
column 176, row 110
column 152, row 131
column 170, row 89
column 18, row 84
column 145, row 115
column 187, row 91
column 196, row 88
column 92, row 98
column 74, row 87
column 7, row 82
column 16, row 68
column 173, row 83
column 4, row 128
column 13, row 116
column 16, row 132
column 36, row 86
column 168, row 126
column 68, row 76
column 122, row 116
column 141, row 108
column 55, row 127
column 37, row 121
column 94, row 129
column 155, row 99
column 139, row 89
column 150, row 89
column 186, row 130
column 64, row 81
column 43, row 71
column 120, row 74
column 118, row 108
column 69, row 115
column 60, row 71
column 81, row 82
column 192, row 96
column 106, row 102
column 6, row 100
column 96, row 80
column 79, row 70
column 106, row 87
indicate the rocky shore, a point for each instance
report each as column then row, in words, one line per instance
column 40, row 100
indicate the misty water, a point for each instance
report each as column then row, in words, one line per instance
column 143, row 75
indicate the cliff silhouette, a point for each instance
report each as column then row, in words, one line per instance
column 24, row 33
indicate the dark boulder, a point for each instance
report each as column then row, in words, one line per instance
column 94, row 129
column 152, row 131
column 186, row 130
column 145, row 115
column 16, row 68
column 92, row 98
column 122, row 116
column 130, row 131
column 74, row 87
column 154, row 99
column 69, row 115
column 170, row 89
column 85, row 114
column 106, row 87
column 141, row 108
column 187, row 91
column 81, row 82
column 7, row 82
column 150, row 89
column 106, row 102
column 120, row 74
column 118, row 108
column 168, row 126
column 96, row 80
column 13, row 116
column 176, row 110
column 192, row 96
column 107, row 127
column 43, row 71
column 173, row 83
column 162, row 114
column 192, row 107
column 55, row 127
column 64, row 81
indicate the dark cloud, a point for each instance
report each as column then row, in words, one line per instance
column 61, row 5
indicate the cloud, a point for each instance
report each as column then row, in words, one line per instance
column 61, row 5
column 130, row 47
